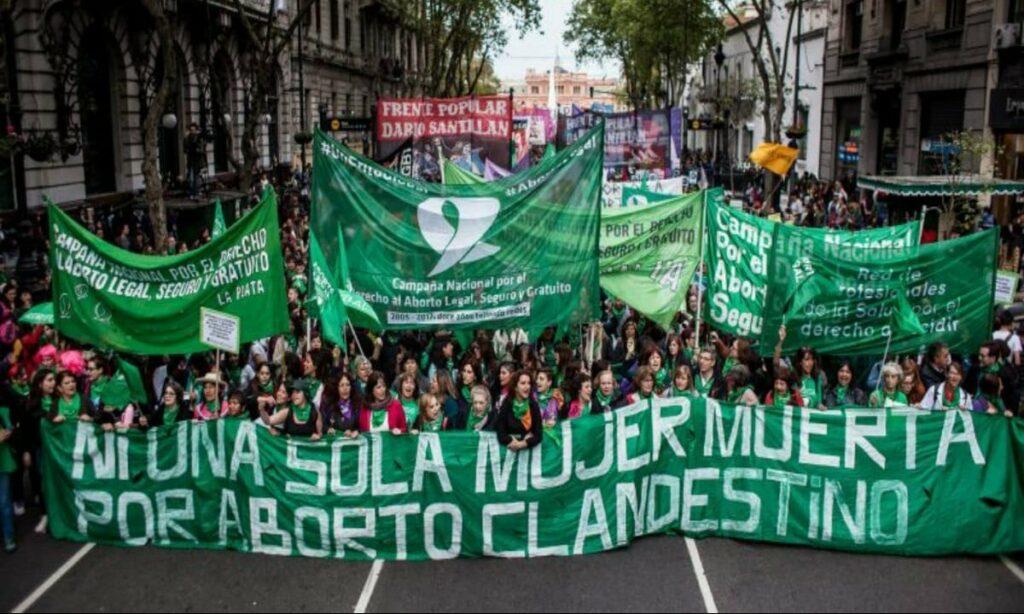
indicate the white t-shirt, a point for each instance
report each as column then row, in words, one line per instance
column 1013, row 341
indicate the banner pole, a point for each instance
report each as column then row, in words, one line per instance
column 217, row 408
column 309, row 331
column 700, row 263
column 885, row 355
column 590, row 347
column 356, row 337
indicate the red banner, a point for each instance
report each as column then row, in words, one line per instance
column 486, row 116
column 467, row 130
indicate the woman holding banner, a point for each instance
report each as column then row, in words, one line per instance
column 519, row 424
column 845, row 393
column 607, row 395
column 69, row 404
column 549, row 399
column 682, row 384
column 299, row 418
column 643, row 385
column 582, row 399
column 812, row 379
column 481, row 415
column 948, row 395
column 889, row 395
column 339, row 406
column 381, row 411
column 213, row 403
column 738, row 390
column 408, row 396
column 911, row 385
column 784, row 392
column 170, row 409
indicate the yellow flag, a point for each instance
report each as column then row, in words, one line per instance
column 774, row 157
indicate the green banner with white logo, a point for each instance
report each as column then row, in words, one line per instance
column 859, row 300
column 649, row 253
column 519, row 251
column 737, row 252
column 149, row 305
column 893, row 481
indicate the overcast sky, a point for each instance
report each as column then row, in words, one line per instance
column 537, row 49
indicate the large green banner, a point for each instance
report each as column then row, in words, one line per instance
column 649, row 253
column 895, row 481
column 855, row 300
column 116, row 299
column 737, row 252
column 519, row 251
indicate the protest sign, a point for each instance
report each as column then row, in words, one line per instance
column 1006, row 286
column 219, row 330
column 468, row 130
column 649, row 253
column 520, row 251
column 891, row 481
column 150, row 305
column 737, row 252
column 862, row 295
column 638, row 140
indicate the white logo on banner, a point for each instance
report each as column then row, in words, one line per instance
column 475, row 216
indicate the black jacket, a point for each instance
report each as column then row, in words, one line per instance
column 507, row 425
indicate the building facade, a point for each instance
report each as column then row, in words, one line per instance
column 734, row 88
column 571, row 88
column 80, row 74
column 901, row 74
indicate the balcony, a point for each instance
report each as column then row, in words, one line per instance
column 944, row 40
column 889, row 52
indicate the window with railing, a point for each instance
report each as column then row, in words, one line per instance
column 955, row 12
column 853, row 22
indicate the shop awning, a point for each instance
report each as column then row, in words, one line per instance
column 941, row 185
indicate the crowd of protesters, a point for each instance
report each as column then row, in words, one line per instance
column 506, row 381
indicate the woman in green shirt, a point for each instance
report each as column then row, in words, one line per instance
column 810, row 378
column 69, row 404
column 889, row 395
column 408, row 396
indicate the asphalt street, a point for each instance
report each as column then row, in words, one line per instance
column 655, row 574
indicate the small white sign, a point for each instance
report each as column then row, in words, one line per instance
column 1006, row 286
column 219, row 330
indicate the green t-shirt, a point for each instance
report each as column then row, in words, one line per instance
column 880, row 398
column 69, row 409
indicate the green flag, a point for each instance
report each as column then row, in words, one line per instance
column 324, row 301
column 456, row 175
column 219, row 227
column 632, row 196
column 862, row 295
column 517, row 252
column 358, row 310
column 738, row 250
column 649, row 253
column 118, row 300
column 133, row 379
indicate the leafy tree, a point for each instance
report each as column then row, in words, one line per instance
column 457, row 40
column 656, row 41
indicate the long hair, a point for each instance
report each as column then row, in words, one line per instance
column 445, row 385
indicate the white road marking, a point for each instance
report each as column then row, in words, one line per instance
column 29, row 601
column 41, row 525
column 371, row 583
column 1013, row 567
column 702, row 578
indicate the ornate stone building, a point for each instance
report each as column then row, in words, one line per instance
column 79, row 74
